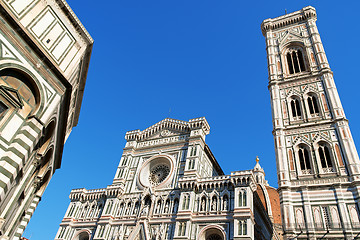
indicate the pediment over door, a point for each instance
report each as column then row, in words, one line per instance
column 140, row 232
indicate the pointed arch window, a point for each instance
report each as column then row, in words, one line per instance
column 242, row 228
column 121, row 209
column 295, row 61
column 125, row 161
column 109, row 207
column 72, row 208
column 186, row 202
column 304, row 160
column 158, row 207
column 226, row 203
column 136, row 208
column 313, row 105
column 325, row 158
column 295, row 108
column 242, row 198
column 182, row 229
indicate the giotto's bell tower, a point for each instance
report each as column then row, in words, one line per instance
column 317, row 162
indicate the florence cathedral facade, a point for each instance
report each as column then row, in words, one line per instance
column 168, row 184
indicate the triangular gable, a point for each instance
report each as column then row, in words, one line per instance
column 164, row 128
column 48, row 93
column 140, row 232
column 291, row 37
column 6, row 52
column 12, row 95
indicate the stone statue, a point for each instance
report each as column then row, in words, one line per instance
column 213, row 206
column 166, row 210
column 203, row 204
column 145, row 210
column 162, row 231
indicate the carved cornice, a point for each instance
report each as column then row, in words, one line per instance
column 74, row 19
column 240, row 178
column 169, row 124
column 82, row 194
column 306, row 13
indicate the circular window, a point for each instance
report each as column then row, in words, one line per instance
column 156, row 171
column 158, row 174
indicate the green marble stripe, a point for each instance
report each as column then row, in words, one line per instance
column 22, row 143
column 11, row 162
column 3, row 186
column 6, row 172
column 21, row 226
column 28, row 135
column 33, row 207
column 28, row 213
column 19, row 218
column 18, row 191
column 34, row 127
column 17, row 235
column 3, row 147
column 17, row 152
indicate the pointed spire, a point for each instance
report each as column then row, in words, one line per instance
column 257, row 165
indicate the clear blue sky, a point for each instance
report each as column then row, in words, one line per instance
column 197, row 58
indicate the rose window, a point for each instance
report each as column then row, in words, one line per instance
column 158, row 174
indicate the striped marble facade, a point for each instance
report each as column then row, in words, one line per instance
column 318, row 164
column 44, row 57
column 168, row 185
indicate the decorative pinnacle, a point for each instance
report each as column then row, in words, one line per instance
column 257, row 159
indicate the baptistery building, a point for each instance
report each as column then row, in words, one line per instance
column 44, row 58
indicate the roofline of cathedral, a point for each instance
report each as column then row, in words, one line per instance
column 171, row 124
column 213, row 160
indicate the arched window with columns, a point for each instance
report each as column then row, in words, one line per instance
column 242, row 227
column 325, row 157
column 313, row 105
column 295, row 60
column 304, row 160
column 242, row 198
column 295, row 108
